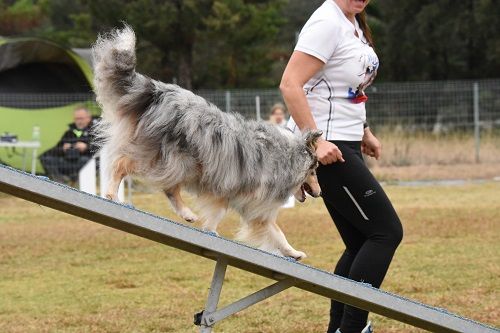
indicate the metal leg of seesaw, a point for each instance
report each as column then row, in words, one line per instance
column 210, row 316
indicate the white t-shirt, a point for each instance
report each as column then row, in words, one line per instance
column 350, row 66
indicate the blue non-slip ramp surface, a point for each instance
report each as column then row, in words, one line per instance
column 195, row 241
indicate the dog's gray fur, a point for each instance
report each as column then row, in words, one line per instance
column 175, row 138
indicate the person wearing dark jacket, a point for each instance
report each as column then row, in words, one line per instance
column 74, row 149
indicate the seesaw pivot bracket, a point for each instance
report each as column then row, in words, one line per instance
column 207, row 318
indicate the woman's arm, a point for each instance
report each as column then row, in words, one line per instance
column 299, row 70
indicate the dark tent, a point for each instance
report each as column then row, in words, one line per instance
column 36, row 66
column 41, row 83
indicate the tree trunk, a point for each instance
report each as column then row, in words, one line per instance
column 233, row 72
column 472, row 50
column 184, row 71
column 184, row 43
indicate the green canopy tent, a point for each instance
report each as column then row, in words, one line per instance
column 40, row 85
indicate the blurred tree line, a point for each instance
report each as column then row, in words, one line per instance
column 246, row 43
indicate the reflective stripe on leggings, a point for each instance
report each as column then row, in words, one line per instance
column 355, row 203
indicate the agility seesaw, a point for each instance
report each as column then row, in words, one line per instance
column 225, row 252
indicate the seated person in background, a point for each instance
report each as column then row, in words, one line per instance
column 278, row 115
column 74, row 149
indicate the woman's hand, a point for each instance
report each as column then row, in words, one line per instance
column 370, row 144
column 327, row 152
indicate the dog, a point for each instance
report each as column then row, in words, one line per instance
column 174, row 139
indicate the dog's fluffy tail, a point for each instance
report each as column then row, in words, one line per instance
column 122, row 93
column 114, row 65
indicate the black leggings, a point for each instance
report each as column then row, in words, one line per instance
column 367, row 223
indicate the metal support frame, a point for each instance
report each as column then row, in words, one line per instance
column 210, row 316
column 213, row 295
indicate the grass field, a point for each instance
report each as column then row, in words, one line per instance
column 63, row 274
column 412, row 156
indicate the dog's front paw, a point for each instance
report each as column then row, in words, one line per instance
column 188, row 215
column 210, row 231
column 297, row 255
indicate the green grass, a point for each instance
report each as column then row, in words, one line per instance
column 63, row 274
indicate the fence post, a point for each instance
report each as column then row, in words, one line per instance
column 228, row 101
column 257, row 107
column 87, row 177
column 477, row 133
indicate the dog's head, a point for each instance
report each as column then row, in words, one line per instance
column 310, row 183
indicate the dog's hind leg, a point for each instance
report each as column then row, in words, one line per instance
column 174, row 196
column 119, row 169
column 213, row 211
column 267, row 236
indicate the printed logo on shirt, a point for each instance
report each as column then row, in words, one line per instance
column 78, row 133
column 368, row 193
column 369, row 63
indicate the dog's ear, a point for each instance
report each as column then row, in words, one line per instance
column 311, row 137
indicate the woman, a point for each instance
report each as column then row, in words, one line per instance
column 323, row 87
column 278, row 115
